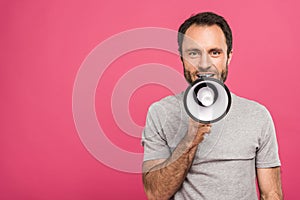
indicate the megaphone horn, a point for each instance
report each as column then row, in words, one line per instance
column 207, row 100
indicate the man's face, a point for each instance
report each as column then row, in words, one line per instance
column 204, row 52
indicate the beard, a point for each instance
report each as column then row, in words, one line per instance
column 188, row 75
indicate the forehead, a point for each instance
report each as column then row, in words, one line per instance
column 204, row 36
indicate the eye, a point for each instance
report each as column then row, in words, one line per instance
column 193, row 54
column 215, row 53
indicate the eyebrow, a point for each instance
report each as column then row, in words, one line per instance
column 216, row 49
column 198, row 50
column 192, row 49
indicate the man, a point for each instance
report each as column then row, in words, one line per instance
column 184, row 159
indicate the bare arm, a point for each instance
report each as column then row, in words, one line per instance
column 163, row 177
column 269, row 183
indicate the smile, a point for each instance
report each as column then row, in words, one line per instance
column 205, row 75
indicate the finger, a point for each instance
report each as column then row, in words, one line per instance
column 198, row 124
column 204, row 129
column 201, row 134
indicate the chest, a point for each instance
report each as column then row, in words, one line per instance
column 228, row 140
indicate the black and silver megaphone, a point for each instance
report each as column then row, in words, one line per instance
column 207, row 100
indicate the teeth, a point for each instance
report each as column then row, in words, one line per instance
column 205, row 75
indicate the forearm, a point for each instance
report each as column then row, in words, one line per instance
column 272, row 196
column 163, row 180
column 269, row 182
column 275, row 194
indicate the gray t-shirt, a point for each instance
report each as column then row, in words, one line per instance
column 225, row 163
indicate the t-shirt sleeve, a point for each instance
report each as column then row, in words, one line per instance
column 153, row 138
column 267, row 153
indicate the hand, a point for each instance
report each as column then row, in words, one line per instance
column 196, row 132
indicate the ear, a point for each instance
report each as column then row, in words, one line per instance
column 229, row 57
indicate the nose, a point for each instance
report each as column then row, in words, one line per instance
column 204, row 62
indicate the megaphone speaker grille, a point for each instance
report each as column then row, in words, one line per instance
column 205, row 94
column 207, row 100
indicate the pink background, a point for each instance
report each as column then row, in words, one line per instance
column 43, row 44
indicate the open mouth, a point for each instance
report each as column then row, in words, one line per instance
column 206, row 75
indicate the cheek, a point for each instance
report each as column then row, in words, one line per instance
column 188, row 66
column 220, row 64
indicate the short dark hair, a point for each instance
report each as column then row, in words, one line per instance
column 205, row 19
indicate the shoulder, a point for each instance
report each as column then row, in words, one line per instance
column 169, row 103
column 168, row 110
column 245, row 104
column 250, row 108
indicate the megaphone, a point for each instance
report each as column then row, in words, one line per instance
column 207, row 100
